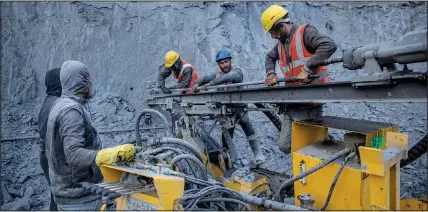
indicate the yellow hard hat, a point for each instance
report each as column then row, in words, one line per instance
column 170, row 58
column 271, row 15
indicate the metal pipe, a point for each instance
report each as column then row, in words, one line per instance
column 100, row 132
column 312, row 170
column 269, row 203
column 291, row 79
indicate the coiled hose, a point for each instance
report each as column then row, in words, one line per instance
column 189, row 157
column 137, row 123
column 182, row 143
column 416, row 151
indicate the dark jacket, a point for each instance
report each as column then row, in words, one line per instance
column 72, row 142
column 320, row 45
column 53, row 91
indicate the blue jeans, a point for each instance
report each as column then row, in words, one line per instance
column 86, row 206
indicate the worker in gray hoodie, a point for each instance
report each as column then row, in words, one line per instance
column 73, row 148
column 53, row 91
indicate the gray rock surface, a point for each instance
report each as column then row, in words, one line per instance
column 124, row 43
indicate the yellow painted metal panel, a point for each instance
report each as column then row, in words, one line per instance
column 347, row 192
column 394, row 185
column 168, row 190
column 379, row 192
column 303, row 135
column 373, row 159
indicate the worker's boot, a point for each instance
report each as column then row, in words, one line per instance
column 257, row 150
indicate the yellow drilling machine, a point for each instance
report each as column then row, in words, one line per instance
column 182, row 167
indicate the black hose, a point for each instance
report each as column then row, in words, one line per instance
column 265, row 203
column 271, row 116
column 247, row 207
column 312, row 170
column 137, row 123
column 181, row 143
column 416, row 151
column 336, row 177
column 207, row 191
column 204, row 173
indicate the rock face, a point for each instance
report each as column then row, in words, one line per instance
column 123, row 44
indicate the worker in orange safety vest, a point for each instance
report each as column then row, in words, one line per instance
column 184, row 73
column 298, row 50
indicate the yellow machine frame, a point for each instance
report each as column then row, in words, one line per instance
column 168, row 189
column 374, row 184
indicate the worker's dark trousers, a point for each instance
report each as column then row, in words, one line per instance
column 45, row 168
column 295, row 114
column 247, row 127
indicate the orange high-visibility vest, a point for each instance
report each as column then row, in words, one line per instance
column 195, row 76
column 299, row 56
column 218, row 73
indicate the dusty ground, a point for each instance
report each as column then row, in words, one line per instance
column 120, row 41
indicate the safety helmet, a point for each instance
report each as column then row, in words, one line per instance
column 222, row 54
column 271, row 15
column 170, row 58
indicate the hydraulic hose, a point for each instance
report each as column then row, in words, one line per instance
column 271, row 116
column 312, row 170
column 182, row 143
column 336, row 177
column 191, row 158
column 161, row 149
column 243, row 197
column 137, row 123
column 416, row 151
column 247, row 207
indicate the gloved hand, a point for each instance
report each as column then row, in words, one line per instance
column 121, row 153
column 271, row 79
column 166, row 90
column 195, row 88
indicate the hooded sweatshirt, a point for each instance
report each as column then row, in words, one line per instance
column 72, row 142
column 53, row 91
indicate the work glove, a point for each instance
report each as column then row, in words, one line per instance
column 195, row 88
column 271, row 79
column 166, row 90
column 121, row 153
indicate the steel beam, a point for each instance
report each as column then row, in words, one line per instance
column 398, row 90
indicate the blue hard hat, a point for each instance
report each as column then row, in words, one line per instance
column 223, row 54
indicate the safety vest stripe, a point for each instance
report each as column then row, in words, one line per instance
column 298, row 44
